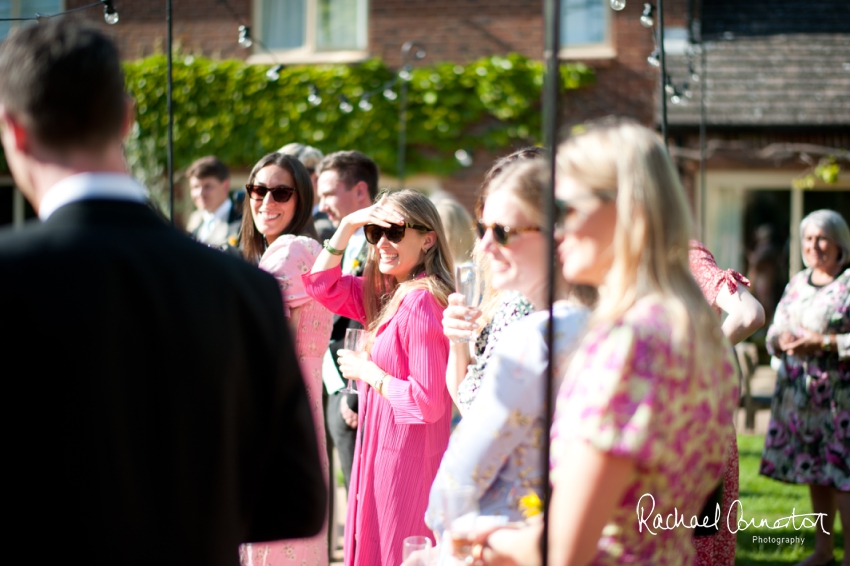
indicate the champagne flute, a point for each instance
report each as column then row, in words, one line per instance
column 468, row 284
column 460, row 506
column 353, row 341
column 416, row 551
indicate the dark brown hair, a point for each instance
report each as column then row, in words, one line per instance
column 209, row 166
column 63, row 80
column 253, row 242
column 352, row 167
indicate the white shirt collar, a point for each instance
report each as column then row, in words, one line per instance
column 88, row 186
column 220, row 213
column 352, row 250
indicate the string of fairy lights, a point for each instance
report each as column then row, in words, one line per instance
column 110, row 14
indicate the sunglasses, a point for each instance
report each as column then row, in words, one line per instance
column 279, row 194
column 394, row 233
column 568, row 216
column 501, row 234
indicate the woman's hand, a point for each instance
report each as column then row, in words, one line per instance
column 378, row 214
column 807, row 343
column 510, row 545
column 459, row 320
column 353, row 365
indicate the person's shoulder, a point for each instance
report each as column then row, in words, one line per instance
column 419, row 301
column 19, row 242
column 291, row 244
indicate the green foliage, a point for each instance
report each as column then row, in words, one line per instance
column 768, row 499
column 825, row 171
column 231, row 109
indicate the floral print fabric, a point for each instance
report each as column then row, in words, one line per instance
column 808, row 439
column 513, row 308
column 631, row 392
column 497, row 446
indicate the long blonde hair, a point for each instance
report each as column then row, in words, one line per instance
column 382, row 294
column 652, row 231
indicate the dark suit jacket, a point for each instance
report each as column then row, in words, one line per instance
column 156, row 413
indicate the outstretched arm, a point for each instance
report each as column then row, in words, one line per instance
column 744, row 313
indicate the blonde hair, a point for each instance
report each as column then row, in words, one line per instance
column 652, row 231
column 382, row 294
column 457, row 223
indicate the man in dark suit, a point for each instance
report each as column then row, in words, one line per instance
column 160, row 417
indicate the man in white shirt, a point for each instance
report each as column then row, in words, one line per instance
column 154, row 409
column 218, row 218
column 347, row 182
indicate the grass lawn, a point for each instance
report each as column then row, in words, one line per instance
column 764, row 498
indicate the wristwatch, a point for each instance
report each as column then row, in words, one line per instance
column 379, row 384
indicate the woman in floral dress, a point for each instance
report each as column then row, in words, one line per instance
column 278, row 209
column 808, row 439
column 643, row 416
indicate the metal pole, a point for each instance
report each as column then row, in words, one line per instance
column 170, row 109
column 402, row 131
column 551, row 92
column 663, row 70
column 702, row 140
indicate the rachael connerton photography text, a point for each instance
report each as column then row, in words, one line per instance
column 646, row 514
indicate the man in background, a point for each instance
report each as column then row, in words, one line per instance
column 218, row 217
column 310, row 157
column 156, row 414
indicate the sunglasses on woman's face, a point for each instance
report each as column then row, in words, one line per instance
column 501, row 234
column 279, row 194
column 394, row 233
column 568, row 215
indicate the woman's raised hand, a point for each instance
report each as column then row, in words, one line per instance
column 459, row 320
column 378, row 214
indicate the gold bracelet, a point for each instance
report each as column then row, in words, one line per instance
column 379, row 385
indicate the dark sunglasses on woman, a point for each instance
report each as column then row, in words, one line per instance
column 394, row 233
column 501, row 234
column 279, row 194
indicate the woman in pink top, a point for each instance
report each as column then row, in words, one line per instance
column 405, row 408
column 278, row 208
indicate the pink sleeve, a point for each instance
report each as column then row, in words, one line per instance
column 423, row 398
column 288, row 262
column 340, row 294
column 709, row 277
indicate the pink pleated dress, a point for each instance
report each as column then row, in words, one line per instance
column 401, row 440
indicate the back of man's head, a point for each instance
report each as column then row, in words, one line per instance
column 209, row 166
column 352, row 167
column 63, row 81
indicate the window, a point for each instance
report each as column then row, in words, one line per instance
column 312, row 30
column 25, row 9
column 586, row 29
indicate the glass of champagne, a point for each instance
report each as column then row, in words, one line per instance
column 468, row 284
column 416, row 551
column 460, row 506
column 354, row 341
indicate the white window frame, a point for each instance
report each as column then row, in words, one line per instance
column 597, row 50
column 15, row 12
column 309, row 52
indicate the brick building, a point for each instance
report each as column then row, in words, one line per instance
column 777, row 79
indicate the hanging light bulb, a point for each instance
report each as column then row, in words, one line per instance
column 390, row 94
column 463, row 157
column 314, row 97
column 344, row 105
column 273, row 74
column 654, row 58
column 245, row 37
column 364, row 104
column 618, row 4
column 675, row 96
column 693, row 73
column 668, row 86
column 646, row 17
column 404, row 74
column 110, row 14
column 686, row 90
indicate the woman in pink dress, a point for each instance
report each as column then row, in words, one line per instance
column 278, row 213
column 405, row 408
column 745, row 315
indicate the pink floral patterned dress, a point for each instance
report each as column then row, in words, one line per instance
column 718, row 549
column 630, row 393
column 287, row 258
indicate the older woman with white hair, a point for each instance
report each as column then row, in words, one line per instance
column 808, row 439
